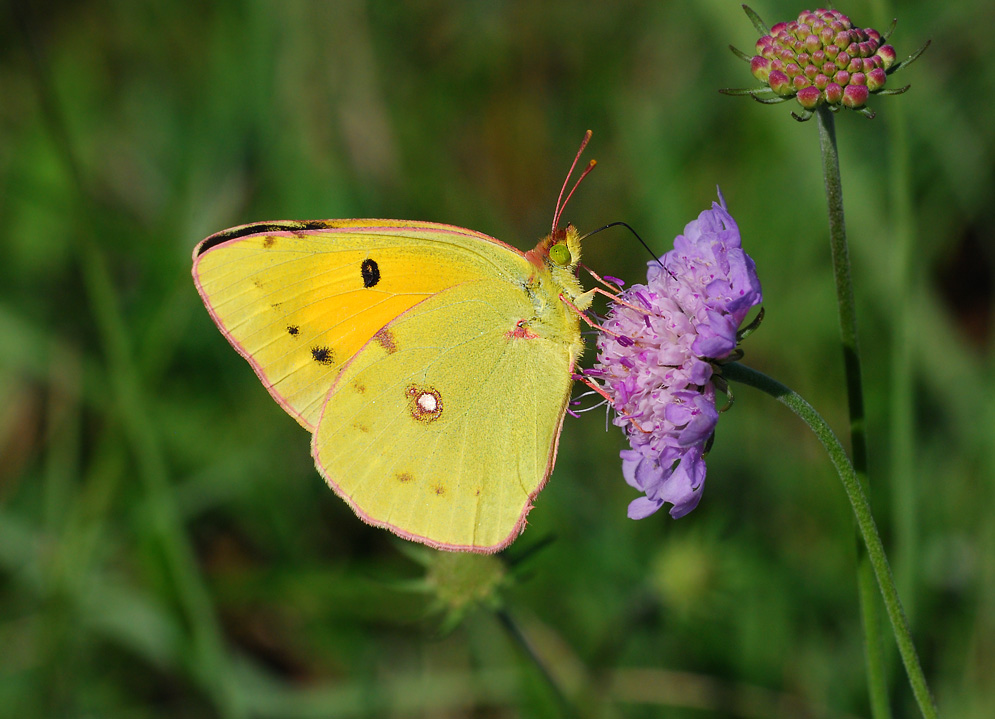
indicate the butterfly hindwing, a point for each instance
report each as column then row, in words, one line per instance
column 444, row 426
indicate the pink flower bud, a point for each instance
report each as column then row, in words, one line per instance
column 822, row 57
column 855, row 96
column 760, row 67
column 876, row 79
column 887, row 55
column 779, row 82
column 809, row 97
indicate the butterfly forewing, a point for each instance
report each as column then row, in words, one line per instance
column 299, row 303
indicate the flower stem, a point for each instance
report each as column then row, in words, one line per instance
column 876, row 675
column 844, row 287
column 567, row 709
column 865, row 521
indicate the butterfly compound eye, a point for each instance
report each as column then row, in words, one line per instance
column 560, row 254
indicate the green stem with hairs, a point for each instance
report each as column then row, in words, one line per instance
column 865, row 521
column 876, row 675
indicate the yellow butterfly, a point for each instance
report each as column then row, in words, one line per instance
column 433, row 364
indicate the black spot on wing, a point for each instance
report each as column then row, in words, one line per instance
column 371, row 272
column 293, row 330
column 322, row 355
column 259, row 228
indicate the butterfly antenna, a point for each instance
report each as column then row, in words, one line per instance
column 560, row 202
column 636, row 234
column 629, row 228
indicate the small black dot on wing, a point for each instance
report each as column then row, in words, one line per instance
column 370, row 271
column 322, row 355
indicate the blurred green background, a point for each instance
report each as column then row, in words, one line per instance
column 166, row 547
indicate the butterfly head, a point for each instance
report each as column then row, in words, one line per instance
column 557, row 251
column 561, row 248
column 557, row 254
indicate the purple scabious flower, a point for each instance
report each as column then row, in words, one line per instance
column 656, row 354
